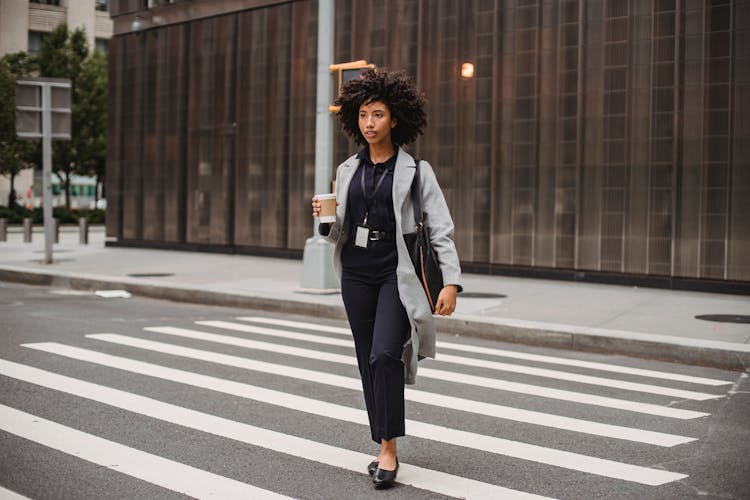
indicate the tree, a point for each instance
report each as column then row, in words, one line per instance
column 91, row 138
column 15, row 154
column 62, row 55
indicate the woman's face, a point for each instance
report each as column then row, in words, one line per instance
column 375, row 123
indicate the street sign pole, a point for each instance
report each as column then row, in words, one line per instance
column 318, row 275
column 49, row 228
column 43, row 112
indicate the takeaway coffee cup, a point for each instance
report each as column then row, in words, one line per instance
column 327, row 207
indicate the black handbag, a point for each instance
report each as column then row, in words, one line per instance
column 420, row 249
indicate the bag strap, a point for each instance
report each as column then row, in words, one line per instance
column 416, row 197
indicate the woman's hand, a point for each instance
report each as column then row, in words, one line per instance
column 316, row 206
column 446, row 302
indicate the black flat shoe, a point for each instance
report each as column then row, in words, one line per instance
column 384, row 478
column 371, row 467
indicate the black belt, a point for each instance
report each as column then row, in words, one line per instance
column 382, row 236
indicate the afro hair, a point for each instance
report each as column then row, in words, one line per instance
column 394, row 89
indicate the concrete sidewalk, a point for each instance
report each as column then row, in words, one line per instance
column 604, row 318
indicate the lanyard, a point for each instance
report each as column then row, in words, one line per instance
column 369, row 200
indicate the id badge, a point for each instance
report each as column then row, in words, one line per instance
column 362, row 236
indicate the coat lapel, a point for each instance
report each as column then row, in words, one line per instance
column 345, row 177
column 403, row 174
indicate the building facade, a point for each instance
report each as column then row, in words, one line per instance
column 607, row 139
column 23, row 24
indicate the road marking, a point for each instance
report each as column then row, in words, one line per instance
column 502, row 385
column 514, row 449
column 275, row 332
column 509, row 354
column 430, row 398
column 297, row 324
column 482, row 363
column 160, row 471
column 7, row 494
column 435, row 481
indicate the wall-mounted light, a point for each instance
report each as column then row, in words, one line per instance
column 467, row 70
column 137, row 25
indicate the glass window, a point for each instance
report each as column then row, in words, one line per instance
column 101, row 44
column 101, row 5
column 46, row 2
column 35, row 41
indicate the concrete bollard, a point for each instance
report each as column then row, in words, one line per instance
column 3, row 229
column 83, row 231
column 56, row 227
column 27, row 228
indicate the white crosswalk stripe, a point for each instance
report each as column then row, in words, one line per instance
column 608, row 367
column 482, row 363
column 461, row 378
column 175, row 476
column 419, row 477
column 435, row 399
column 7, row 494
column 333, row 344
column 489, row 444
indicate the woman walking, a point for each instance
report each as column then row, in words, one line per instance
column 388, row 311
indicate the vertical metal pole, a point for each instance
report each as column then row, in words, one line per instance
column 83, row 231
column 323, row 122
column 3, row 229
column 47, row 172
column 318, row 275
column 28, row 230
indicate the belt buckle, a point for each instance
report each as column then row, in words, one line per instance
column 374, row 235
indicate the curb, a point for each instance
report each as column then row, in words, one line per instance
column 716, row 354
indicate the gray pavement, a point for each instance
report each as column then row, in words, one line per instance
column 635, row 321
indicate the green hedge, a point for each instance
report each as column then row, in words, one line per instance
column 15, row 215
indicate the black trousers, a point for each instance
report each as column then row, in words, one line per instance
column 380, row 327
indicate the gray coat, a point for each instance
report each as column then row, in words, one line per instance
column 437, row 218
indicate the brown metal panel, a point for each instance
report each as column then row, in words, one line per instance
column 276, row 164
column 173, row 97
column 301, row 123
column 568, row 94
column 544, row 229
column 114, row 177
column 716, row 144
column 132, row 169
column 428, row 80
column 153, row 200
column 690, row 178
column 504, row 109
column 264, row 142
column 640, row 143
column 211, row 131
column 462, row 28
column 525, row 144
column 590, row 203
column 738, row 258
column 197, row 196
column 252, row 138
column 487, row 70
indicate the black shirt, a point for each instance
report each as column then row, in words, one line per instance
column 379, row 255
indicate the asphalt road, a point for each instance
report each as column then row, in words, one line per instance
column 138, row 398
